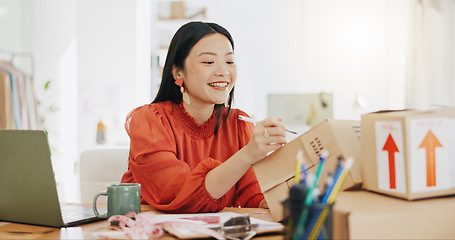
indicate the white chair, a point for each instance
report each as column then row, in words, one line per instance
column 99, row 168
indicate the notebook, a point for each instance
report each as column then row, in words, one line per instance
column 28, row 192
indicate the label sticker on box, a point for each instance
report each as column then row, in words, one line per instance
column 452, row 151
column 429, row 141
column 390, row 156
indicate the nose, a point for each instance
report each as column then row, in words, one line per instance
column 222, row 70
column 222, row 73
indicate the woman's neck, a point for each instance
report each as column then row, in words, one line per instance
column 200, row 113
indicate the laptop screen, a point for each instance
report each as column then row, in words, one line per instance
column 29, row 193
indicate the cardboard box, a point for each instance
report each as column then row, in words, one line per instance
column 368, row 215
column 409, row 154
column 275, row 173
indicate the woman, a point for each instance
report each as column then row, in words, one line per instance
column 189, row 150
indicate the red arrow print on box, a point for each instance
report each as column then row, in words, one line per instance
column 430, row 143
column 391, row 147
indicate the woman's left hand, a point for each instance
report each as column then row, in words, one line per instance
column 268, row 136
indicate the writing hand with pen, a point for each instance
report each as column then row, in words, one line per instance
column 273, row 136
column 268, row 136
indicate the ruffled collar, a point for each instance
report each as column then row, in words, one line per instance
column 198, row 131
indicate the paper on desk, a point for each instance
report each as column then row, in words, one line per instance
column 214, row 221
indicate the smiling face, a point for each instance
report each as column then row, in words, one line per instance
column 209, row 72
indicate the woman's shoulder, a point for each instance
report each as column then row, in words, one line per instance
column 148, row 117
column 151, row 112
column 161, row 108
column 235, row 113
column 241, row 128
column 234, row 118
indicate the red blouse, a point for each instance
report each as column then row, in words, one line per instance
column 170, row 154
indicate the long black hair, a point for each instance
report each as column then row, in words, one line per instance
column 181, row 44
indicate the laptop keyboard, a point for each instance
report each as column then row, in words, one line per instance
column 73, row 213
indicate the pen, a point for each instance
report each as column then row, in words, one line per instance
column 314, row 231
column 297, row 194
column 319, row 216
column 298, row 165
column 338, row 171
column 303, row 172
column 250, row 120
column 328, row 183
column 340, row 180
column 309, row 197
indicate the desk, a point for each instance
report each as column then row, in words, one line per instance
column 369, row 215
column 24, row 231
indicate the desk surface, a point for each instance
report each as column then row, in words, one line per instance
column 24, row 231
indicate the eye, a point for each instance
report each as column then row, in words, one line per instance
column 208, row 62
column 230, row 62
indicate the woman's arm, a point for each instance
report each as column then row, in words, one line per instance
column 168, row 183
column 222, row 178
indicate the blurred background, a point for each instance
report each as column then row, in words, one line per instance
column 87, row 63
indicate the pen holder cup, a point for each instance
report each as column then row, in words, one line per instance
column 307, row 222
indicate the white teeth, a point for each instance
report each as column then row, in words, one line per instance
column 218, row 84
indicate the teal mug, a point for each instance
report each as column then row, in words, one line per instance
column 122, row 198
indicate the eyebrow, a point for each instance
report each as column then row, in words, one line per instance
column 214, row 54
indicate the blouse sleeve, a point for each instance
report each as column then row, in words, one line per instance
column 168, row 183
column 248, row 192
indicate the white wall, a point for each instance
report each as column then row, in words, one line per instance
column 344, row 52
column 11, row 22
column 97, row 53
column 352, row 48
column 51, row 38
column 113, row 65
column 266, row 34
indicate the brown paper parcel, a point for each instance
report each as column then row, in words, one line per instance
column 275, row 173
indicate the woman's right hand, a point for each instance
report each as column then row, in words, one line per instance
column 268, row 135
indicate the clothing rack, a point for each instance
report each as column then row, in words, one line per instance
column 13, row 55
column 18, row 103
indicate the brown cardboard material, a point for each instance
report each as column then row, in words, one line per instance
column 178, row 10
column 368, row 215
column 275, row 173
column 395, row 156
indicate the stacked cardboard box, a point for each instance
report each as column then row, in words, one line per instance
column 409, row 154
column 406, row 154
column 368, row 215
column 275, row 173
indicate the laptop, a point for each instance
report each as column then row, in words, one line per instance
column 28, row 192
